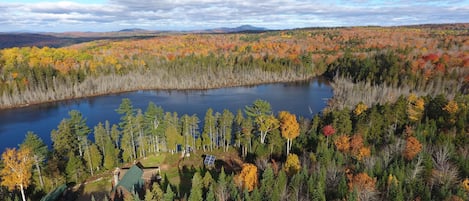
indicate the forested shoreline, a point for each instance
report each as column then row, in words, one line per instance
column 415, row 147
column 411, row 59
column 396, row 128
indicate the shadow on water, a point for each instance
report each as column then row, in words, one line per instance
column 296, row 97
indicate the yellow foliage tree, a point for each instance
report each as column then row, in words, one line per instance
column 465, row 184
column 266, row 124
column 415, row 107
column 452, row 107
column 292, row 165
column 247, row 179
column 17, row 169
column 289, row 127
column 360, row 108
column 412, row 148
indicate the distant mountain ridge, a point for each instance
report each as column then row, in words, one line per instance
column 242, row 28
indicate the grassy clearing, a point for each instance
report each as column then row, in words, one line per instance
column 178, row 171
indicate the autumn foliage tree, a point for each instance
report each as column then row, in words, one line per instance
column 412, row 148
column 360, row 108
column 328, row 130
column 363, row 184
column 289, row 127
column 415, row 107
column 248, row 178
column 342, row 143
column 17, row 169
column 358, row 148
column 292, row 165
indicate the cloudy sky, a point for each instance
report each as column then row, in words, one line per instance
column 113, row 15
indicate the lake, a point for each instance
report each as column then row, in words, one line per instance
column 295, row 97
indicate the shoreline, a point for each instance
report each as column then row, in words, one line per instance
column 247, row 84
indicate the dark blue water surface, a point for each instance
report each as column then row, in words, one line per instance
column 296, row 97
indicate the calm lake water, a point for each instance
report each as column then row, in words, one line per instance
column 296, row 97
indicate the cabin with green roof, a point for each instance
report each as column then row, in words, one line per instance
column 133, row 181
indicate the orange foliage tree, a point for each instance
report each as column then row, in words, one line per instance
column 363, row 184
column 342, row 143
column 247, row 179
column 289, row 127
column 358, row 149
column 17, row 169
column 412, row 148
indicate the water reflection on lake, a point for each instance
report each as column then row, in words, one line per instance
column 296, row 97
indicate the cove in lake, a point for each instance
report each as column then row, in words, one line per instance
column 295, row 97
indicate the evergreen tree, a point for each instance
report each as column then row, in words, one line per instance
column 225, row 124
column 94, row 157
column 75, row 169
column 173, row 137
column 211, row 193
column 110, row 159
column 280, row 187
column 127, row 124
column 169, row 195
column 196, row 189
column 79, row 130
column 154, row 125
column 39, row 152
column 222, row 190
column 63, row 140
column 155, row 193
column 267, row 180
column 207, row 180
column 208, row 134
column 101, row 137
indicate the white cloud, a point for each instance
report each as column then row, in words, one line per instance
column 200, row 14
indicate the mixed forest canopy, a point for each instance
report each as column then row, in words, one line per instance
column 395, row 60
column 396, row 128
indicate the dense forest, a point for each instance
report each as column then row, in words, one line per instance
column 396, row 128
column 396, row 59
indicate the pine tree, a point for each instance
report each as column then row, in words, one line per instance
column 154, row 125
column 79, row 130
column 63, row 140
column 169, row 195
column 208, row 134
column 266, row 183
column 39, row 152
column 110, row 159
column 127, row 124
column 196, row 189
column 211, row 193
column 224, row 125
column 155, row 193
column 222, row 190
column 207, row 180
column 74, row 169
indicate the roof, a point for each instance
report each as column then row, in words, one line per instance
column 132, row 180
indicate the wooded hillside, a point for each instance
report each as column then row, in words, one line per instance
column 413, row 58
